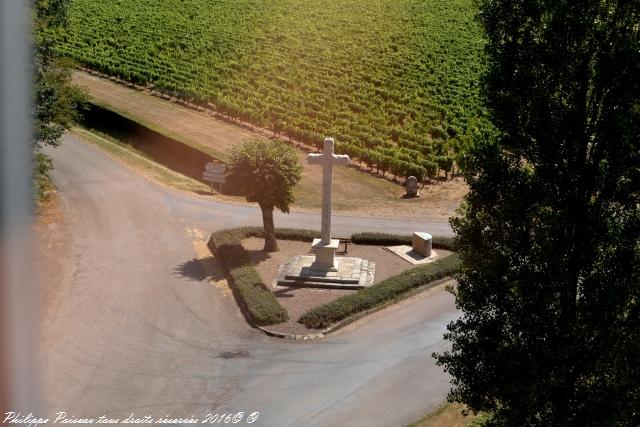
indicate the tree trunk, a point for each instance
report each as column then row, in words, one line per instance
column 270, row 244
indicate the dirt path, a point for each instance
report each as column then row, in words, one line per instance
column 354, row 191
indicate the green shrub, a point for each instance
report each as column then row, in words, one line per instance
column 257, row 299
column 301, row 235
column 380, row 239
column 368, row 298
column 386, row 239
column 42, row 164
column 263, row 306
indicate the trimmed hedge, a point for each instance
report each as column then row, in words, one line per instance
column 263, row 306
column 368, row 298
column 301, row 235
column 386, row 239
column 258, row 300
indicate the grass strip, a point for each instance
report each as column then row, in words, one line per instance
column 131, row 157
column 447, row 415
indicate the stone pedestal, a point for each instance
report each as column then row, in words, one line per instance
column 348, row 273
column 421, row 243
column 325, row 254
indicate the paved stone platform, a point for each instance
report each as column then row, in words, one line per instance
column 349, row 273
column 408, row 254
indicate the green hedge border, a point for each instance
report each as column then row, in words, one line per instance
column 368, row 298
column 386, row 239
column 252, row 294
column 263, row 307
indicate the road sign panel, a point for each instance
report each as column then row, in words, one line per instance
column 214, row 172
column 215, row 167
column 213, row 177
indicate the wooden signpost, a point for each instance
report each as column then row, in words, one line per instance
column 214, row 172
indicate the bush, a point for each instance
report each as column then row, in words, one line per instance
column 257, row 299
column 301, row 235
column 368, row 298
column 380, row 239
column 42, row 164
column 263, row 306
column 385, row 239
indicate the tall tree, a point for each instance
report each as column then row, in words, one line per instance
column 550, row 230
column 55, row 98
column 266, row 173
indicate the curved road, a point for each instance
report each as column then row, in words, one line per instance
column 134, row 326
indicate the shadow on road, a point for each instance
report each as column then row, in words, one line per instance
column 199, row 269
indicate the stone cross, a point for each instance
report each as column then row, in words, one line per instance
column 327, row 159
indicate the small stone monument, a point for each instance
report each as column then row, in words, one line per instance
column 411, row 187
column 324, row 270
column 419, row 252
column 421, row 243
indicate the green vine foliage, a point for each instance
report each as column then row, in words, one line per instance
column 394, row 82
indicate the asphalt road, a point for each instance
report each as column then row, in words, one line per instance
column 138, row 328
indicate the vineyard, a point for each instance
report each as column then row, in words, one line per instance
column 394, row 81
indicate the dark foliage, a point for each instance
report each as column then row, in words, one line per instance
column 550, row 239
column 55, row 100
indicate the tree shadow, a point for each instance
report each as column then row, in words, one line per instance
column 200, row 269
column 258, row 255
column 285, row 292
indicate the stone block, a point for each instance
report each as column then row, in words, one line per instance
column 421, row 243
column 325, row 253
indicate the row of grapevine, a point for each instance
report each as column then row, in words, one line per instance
column 394, row 82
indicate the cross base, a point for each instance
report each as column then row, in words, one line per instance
column 350, row 273
column 325, row 254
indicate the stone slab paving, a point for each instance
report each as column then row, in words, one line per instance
column 407, row 253
column 349, row 273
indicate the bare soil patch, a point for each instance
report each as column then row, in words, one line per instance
column 356, row 191
column 298, row 301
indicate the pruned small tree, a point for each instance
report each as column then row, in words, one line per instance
column 265, row 172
